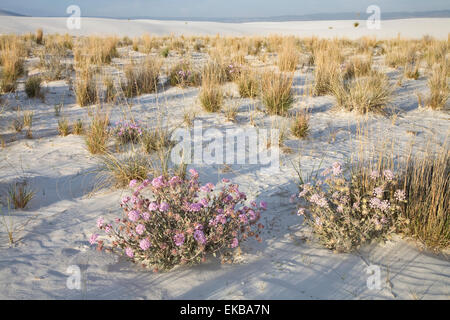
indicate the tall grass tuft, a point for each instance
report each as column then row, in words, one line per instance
column 211, row 94
column 439, row 88
column 367, row 94
column 426, row 180
column 276, row 92
column 142, row 79
column 33, row 87
column 97, row 134
column 288, row 57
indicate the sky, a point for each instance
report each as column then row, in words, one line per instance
column 213, row 8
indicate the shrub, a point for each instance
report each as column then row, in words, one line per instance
column 33, row 86
column 368, row 94
column 439, row 88
column 126, row 131
column 181, row 224
column 300, row 125
column 348, row 211
column 182, row 75
column 211, row 95
column 427, row 180
column 97, row 135
column 165, row 52
column 276, row 93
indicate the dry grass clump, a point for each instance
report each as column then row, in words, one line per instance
column 400, row 54
column 357, row 67
column 96, row 50
column 300, row 125
column 211, row 94
column 20, row 194
column 426, row 180
column 121, row 169
column 276, row 92
column 288, row 57
column 96, row 137
column 439, row 88
column 63, row 127
column 11, row 57
column 39, row 36
column 51, row 57
column 33, row 87
column 142, row 79
column 367, row 94
column 78, row 128
column 248, row 84
column 86, row 90
column 156, row 139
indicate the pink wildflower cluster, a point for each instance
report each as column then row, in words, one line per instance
column 346, row 210
column 127, row 131
column 183, row 222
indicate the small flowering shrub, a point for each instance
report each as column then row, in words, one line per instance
column 182, row 75
column 347, row 212
column 127, row 131
column 183, row 223
column 232, row 71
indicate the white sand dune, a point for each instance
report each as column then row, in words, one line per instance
column 407, row 28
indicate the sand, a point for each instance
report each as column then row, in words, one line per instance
column 407, row 28
column 288, row 264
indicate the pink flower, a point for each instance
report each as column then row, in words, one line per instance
column 243, row 218
column 193, row 173
column 125, row 200
column 195, row 207
column 140, row 229
column 164, row 206
column 400, row 195
column 178, row 239
column 263, row 205
column 100, row 222
column 336, row 167
column 340, row 208
column 224, row 180
column 93, row 238
column 374, row 175
column 144, row 244
column 158, row 182
column 146, row 215
column 301, row 211
column 204, row 202
column 133, row 215
column 234, row 243
column 388, row 175
column 108, row 229
column 199, row 236
column 133, row 183
column 129, row 252
column 152, row 206
column 378, row 192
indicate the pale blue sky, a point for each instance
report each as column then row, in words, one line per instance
column 214, row 8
